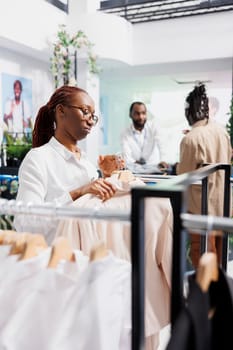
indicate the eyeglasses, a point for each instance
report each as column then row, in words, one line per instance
column 87, row 115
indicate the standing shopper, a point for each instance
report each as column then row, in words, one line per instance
column 206, row 142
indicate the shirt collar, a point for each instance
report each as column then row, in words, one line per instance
column 201, row 123
column 60, row 148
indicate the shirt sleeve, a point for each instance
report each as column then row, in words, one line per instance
column 188, row 156
column 127, row 147
column 33, row 179
column 33, row 182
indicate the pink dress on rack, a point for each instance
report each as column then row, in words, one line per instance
column 85, row 233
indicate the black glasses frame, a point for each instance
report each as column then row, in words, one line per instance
column 86, row 114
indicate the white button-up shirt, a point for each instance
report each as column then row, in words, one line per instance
column 144, row 144
column 47, row 175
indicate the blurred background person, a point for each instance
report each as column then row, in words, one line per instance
column 141, row 145
column 206, row 142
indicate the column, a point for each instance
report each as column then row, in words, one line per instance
column 85, row 80
column 90, row 83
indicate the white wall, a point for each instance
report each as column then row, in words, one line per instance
column 184, row 39
column 30, row 23
column 112, row 35
column 186, row 43
column 165, row 106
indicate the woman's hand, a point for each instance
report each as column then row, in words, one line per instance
column 100, row 188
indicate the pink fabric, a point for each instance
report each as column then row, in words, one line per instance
column 84, row 233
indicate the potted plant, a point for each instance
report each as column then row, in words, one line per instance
column 63, row 61
column 15, row 147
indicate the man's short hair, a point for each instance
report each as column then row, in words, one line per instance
column 136, row 103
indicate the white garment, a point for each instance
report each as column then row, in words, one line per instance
column 7, row 264
column 47, row 175
column 74, row 269
column 16, row 280
column 20, row 116
column 19, row 269
column 56, row 313
column 35, row 318
column 4, row 251
column 98, row 315
column 84, row 234
column 146, row 144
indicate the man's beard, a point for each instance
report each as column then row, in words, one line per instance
column 139, row 124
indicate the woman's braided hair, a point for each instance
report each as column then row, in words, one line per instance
column 197, row 104
column 44, row 127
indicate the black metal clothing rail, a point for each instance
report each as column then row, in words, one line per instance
column 176, row 190
column 137, row 11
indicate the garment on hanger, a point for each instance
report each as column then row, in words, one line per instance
column 158, row 244
column 221, row 299
column 75, row 268
column 205, row 321
column 17, row 278
column 39, row 307
column 192, row 329
column 55, row 309
column 98, row 315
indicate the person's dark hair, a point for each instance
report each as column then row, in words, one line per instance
column 45, row 120
column 18, row 82
column 197, row 107
column 135, row 103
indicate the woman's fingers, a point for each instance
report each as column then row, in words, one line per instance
column 103, row 189
column 107, row 190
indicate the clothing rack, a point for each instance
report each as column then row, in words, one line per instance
column 173, row 188
column 207, row 222
column 176, row 190
column 10, row 207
